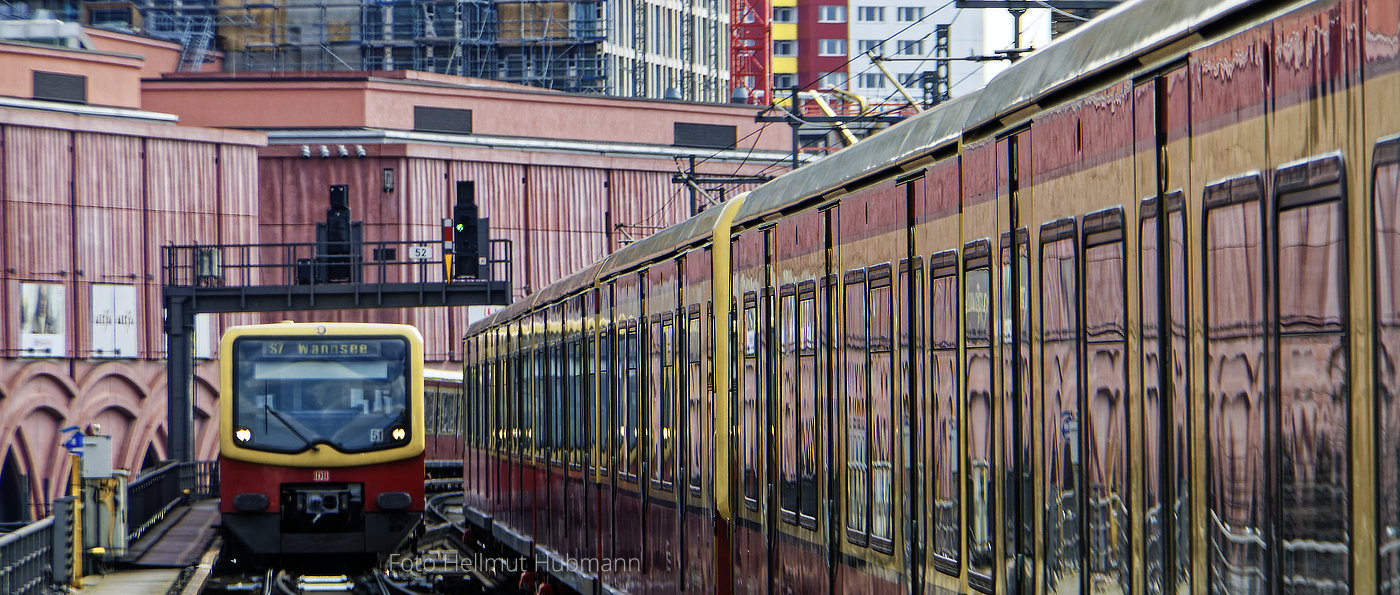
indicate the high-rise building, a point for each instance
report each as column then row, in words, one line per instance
column 659, row 49
column 926, row 47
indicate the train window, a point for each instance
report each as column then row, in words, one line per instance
column 882, row 403
column 588, row 437
column 807, row 404
column 1386, row 201
column 979, row 429
column 1238, row 505
column 1017, row 446
column 664, row 441
column 1106, row 409
column 448, row 402
column 540, row 411
column 857, row 383
column 1059, row 311
column 523, row 388
column 945, row 428
column 750, row 395
column 695, row 413
column 605, row 399
column 558, row 402
column 789, row 435
column 575, row 418
column 1154, row 417
column 430, row 409
column 1314, row 401
column 631, row 458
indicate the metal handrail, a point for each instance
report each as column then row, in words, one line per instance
column 26, row 559
column 290, row 264
column 153, row 494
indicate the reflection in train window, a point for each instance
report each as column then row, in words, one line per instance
column 857, row 382
column 882, row 402
column 695, row 413
column 749, row 392
column 1106, row 409
column 944, row 382
column 789, row 434
column 1238, row 505
column 631, row 353
column 1386, row 201
column 1155, row 446
column 1059, row 304
column 807, row 407
column 666, row 440
column 588, row 393
column 606, row 390
column 557, row 410
column 1314, row 401
column 979, row 429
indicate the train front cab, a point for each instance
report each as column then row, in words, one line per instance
column 321, row 500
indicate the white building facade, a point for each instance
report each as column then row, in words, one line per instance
column 905, row 33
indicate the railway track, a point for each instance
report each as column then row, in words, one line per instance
column 435, row 560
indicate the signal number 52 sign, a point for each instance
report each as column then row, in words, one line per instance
column 421, row 252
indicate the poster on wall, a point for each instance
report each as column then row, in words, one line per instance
column 113, row 320
column 41, row 325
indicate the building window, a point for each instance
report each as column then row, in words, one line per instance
column 872, row 80
column 871, row 13
column 833, row 80
column 784, row 81
column 911, row 13
column 910, row 78
column 833, row 47
column 912, row 48
column 871, row 45
column 784, row 14
column 832, row 14
column 785, row 48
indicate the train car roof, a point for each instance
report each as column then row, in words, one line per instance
column 1131, row 29
column 666, row 242
column 916, row 135
column 1128, row 30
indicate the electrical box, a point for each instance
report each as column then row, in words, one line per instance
column 97, row 456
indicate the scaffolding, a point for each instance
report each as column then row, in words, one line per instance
column 555, row 45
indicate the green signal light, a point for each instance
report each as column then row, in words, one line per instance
column 461, row 226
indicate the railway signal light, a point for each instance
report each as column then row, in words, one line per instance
column 468, row 232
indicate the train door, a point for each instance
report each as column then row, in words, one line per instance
column 751, row 529
column 1160, row 133
column 1018, row 504
column 826, row 302
column 769, row 416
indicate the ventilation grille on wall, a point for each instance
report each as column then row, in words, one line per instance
column 52, row 86
column 710, row 136
column 442, row 119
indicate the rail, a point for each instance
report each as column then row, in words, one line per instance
column 26, row 559
column 311, row 265
column 153, row 494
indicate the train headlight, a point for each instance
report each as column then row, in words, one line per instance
column 243, row 434
column 399, row 433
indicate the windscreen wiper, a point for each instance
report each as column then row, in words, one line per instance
column 304, row 440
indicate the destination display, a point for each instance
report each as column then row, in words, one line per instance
column 321, row 348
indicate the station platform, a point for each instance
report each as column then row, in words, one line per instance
column 157, row 564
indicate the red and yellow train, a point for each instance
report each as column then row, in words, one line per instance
column 1126, row 320
column 321, row 438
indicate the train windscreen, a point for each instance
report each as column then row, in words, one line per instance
column 293, row 394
